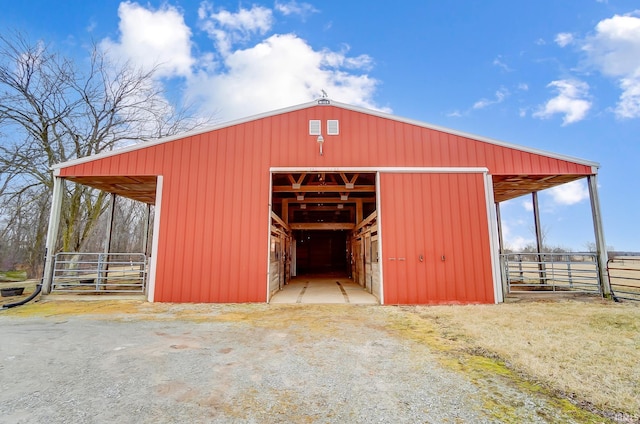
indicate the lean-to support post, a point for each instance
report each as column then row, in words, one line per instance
column 499, row 219
column 145, row 236
column 601, row 247
column 52, row 233
column 505, row 289
column 103, row 262
column 109, row 235
column 538, row 228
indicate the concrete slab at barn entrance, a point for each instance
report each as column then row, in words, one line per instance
column 323, row 290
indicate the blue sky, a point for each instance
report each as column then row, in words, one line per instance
column 562, row 76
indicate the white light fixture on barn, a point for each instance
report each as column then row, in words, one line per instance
column 320, row 141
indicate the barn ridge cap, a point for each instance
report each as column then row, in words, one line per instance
column 322, row 102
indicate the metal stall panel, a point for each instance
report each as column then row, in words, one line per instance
column 435, row 239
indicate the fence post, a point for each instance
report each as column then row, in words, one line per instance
column 100, row 271
column 520, row 267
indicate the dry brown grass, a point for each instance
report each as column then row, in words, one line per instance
column 587, row 351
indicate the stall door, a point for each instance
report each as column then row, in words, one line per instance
column 435, row 239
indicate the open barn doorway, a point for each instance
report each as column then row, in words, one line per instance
column 321, row 252
column 318, row 221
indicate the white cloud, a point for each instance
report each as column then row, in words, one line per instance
column 500, row 63
column 513, row 241
column 518, row 243
column 564, row 39
column 527, row 205
column 282, row 70
column 151, row 38
column 570, row 193
column 614, row 49
column 629, row 104
column 523, row 86
column 500, row 95
column 295, row 8
column 571, row 101
column 248, row 69
column 227, row 28
column 340, row 59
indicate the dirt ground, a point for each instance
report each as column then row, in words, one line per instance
column 95, row 362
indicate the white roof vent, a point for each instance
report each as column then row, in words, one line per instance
column 333, row 127
column 315, row 127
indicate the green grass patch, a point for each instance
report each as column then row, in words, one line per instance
column 12, row 276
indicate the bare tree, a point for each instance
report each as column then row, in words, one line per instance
column 52, row 111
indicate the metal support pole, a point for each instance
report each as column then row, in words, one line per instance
column 145, row 236
column 109, row 235
column 503, row 260
column 499, row 219
column 103, row 267
column 538, row 228
column 52, row 233
column 601, row 247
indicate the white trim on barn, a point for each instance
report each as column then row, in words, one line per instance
column 493, row 239
column 153, row 263
column 268, row 285
column 380, row 247
column 384, row 169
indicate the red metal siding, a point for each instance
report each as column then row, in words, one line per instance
column 435, row 216
column 368, row 140
column 214, row 213
column 215, row 203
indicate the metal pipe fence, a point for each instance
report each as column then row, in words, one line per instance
column 97, row 273
column 551, row 272
column 624, row 277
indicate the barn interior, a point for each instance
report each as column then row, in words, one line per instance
column 324, row 226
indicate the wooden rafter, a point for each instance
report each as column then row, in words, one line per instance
column 322, row 226
column 332, row 200
column 349, row 181
column 295, row 183
column 325, row 188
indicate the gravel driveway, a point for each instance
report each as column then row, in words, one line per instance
column 155, row 363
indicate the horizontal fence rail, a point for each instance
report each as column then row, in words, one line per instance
column 97, row 273
column 551, row 272
column 624, row 277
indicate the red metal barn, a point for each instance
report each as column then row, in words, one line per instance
column 407, row 209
